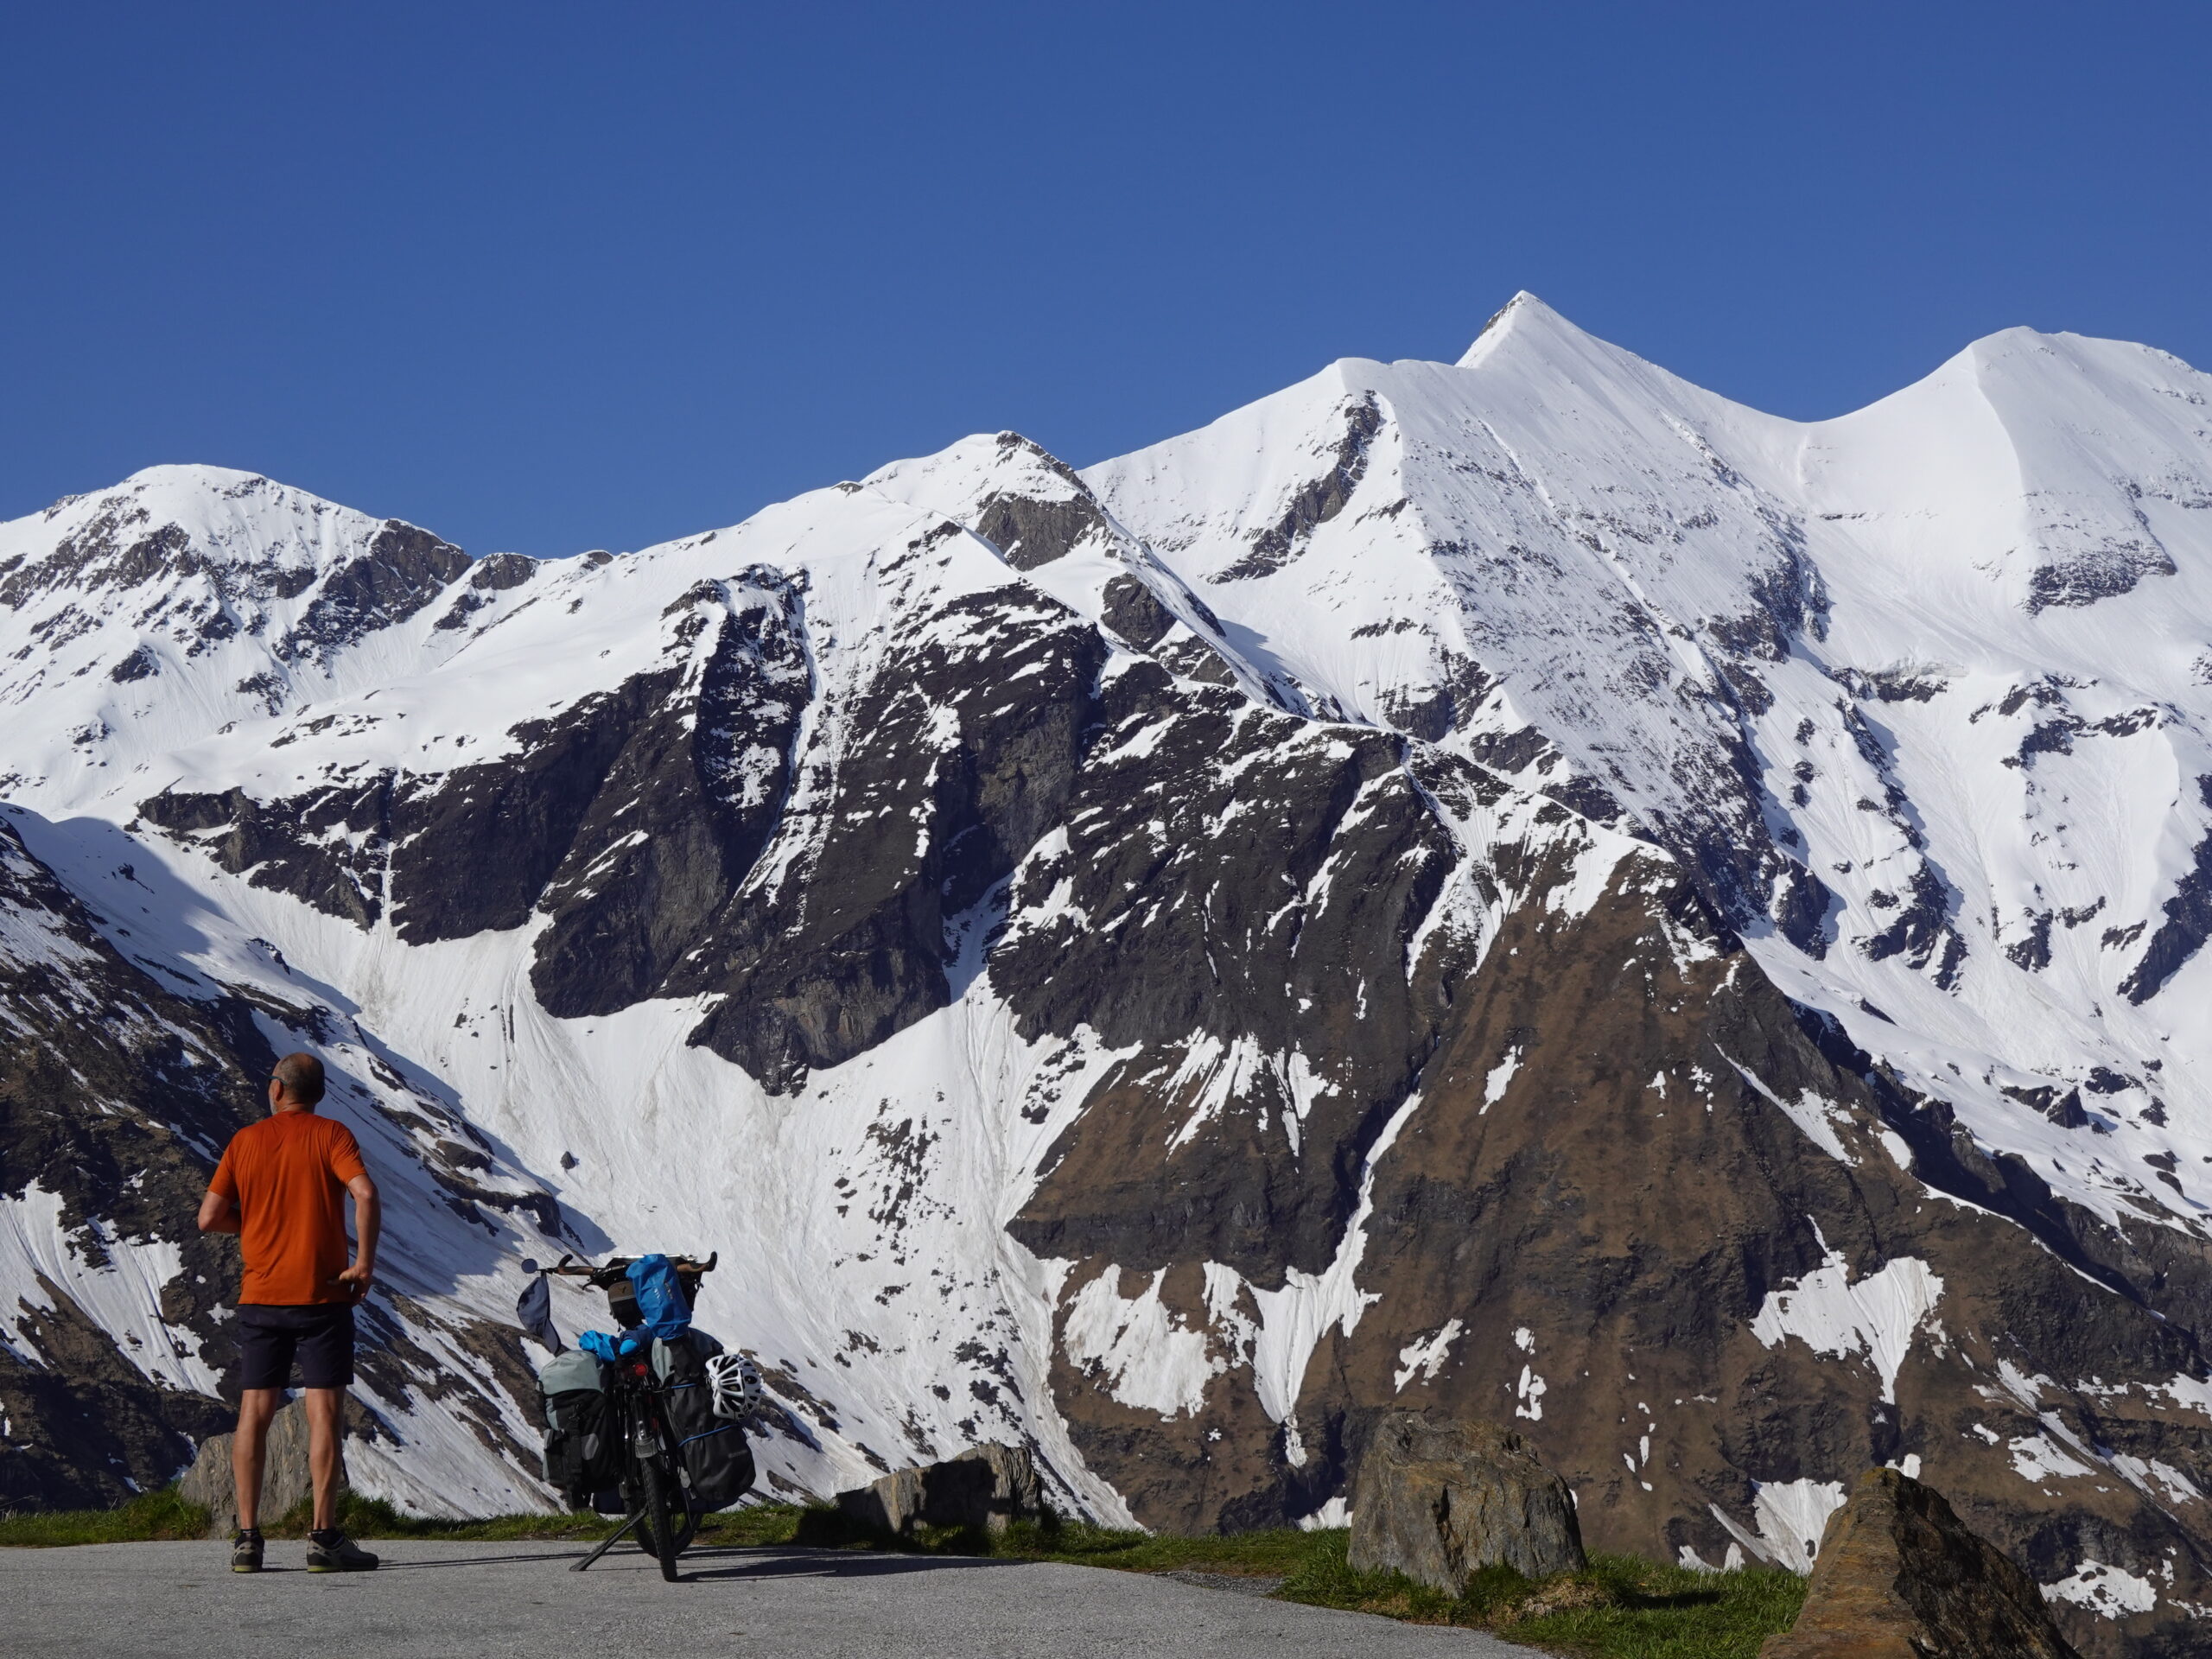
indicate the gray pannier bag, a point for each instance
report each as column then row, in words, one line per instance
column 581, row 1461
column 717, row 1463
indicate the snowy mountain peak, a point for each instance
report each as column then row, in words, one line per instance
column 229, row 515
column 1019, row 497
column 186, row 477
column 189, row 598
column 1524, row 316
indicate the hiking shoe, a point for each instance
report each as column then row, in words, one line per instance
column 245, row 1551
column 334, row 1552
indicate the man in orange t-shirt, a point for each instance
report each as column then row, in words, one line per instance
column 282, row 1187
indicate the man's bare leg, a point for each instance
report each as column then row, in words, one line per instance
column 256, row 1407
column 325, row 1406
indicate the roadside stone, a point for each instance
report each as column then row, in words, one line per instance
column 1900, row 1577
column 892, row 1504
column 1438, row 1499
column 285, row 1476
column 985, row 1487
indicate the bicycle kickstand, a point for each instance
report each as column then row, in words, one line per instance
column 609, row 1543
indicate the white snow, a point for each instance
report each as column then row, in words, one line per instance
column 2172, row 1484
column 1528, row 1395
column 1817, row 1117
column 1294, row 1317
column 2037, row 1459
column 1787, row 1519
column 1150, row 1359
column 1494, row 1086
column 1874, row 1318
column 2107, row 1591
column 1334, row 1513
column 1590, row 531
column 1425, row 1356
column 115, row 1282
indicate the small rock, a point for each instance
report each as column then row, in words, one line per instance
column 285, row 1476
column 1900, row 1577
column 1439, row 1499
column 985, row 1487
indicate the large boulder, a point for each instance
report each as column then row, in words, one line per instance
column 285, row 1476
column 1438, row 1499
column 1901, row 1576
column 985, row 1487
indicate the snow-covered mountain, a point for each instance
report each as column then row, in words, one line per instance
column 1519, row 885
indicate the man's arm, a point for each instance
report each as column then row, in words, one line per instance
column 219, row 1212
column 368, row 1224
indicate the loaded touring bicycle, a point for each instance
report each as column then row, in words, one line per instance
column 648, row 1423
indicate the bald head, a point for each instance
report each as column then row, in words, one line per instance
column 300, row 1078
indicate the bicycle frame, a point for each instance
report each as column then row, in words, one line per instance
column 642, row 1426
column 655, row 1492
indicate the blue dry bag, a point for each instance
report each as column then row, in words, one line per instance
column 662, row 1307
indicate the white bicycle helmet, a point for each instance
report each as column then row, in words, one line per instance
column 733, row 1386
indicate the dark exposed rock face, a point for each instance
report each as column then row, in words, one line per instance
column 1319, row 501
column 2186, row 925
column 327, row 848
column 1134, row 612
column 705, row 778
column 1031, row 531
column 493, row 575
column 939, row 774
column 140, row 664
column 1439, row 1500
column 2084, row 576
column 1356, row 854
column 402, row 571
column 1624, row 1210
column 1901, row 1576
column 635, row 818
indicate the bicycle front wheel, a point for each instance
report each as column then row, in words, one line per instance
column 656, row 1532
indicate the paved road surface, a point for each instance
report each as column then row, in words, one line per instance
column 121, row 1601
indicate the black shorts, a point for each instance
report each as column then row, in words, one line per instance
column 321, row 1335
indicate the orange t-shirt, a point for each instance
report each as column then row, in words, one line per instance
column 287, row 1173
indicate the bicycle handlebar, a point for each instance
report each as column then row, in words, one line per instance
column 618, row 1267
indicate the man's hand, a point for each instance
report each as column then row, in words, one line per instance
column 368, row 1227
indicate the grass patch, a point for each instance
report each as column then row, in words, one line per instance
column 1619, row 1608
column 149, row 1514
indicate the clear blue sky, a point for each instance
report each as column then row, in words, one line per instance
column 557, row 276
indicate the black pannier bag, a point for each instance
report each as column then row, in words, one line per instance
column 582, row 1460
column 717, row 1461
